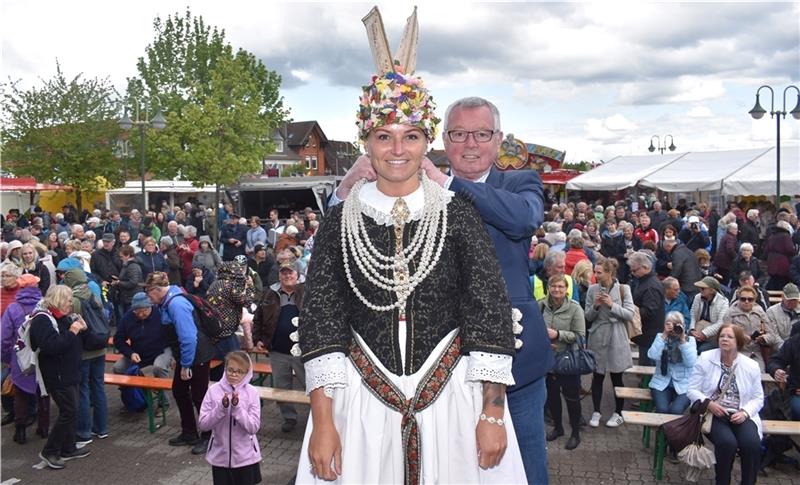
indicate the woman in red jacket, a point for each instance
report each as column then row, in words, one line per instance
column 780, row 250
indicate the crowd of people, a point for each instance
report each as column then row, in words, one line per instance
column 700, row 283
column 138, row 276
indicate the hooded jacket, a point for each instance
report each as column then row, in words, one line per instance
column 76, row 279
column 234, row 440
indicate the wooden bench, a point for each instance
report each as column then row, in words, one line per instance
column 283, row 395
column 646, row 370
column 148, row 385
column 655, row 420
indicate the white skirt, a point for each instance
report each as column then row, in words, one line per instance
column 372, row 445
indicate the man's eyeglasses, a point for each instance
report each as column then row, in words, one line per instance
column 480, row 136
column 747, row 299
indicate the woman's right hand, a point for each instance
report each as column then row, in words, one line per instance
column 325, row 446
column 717, row 410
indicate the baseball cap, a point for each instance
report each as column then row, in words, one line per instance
column 791, row 292
column 709, row 282
column 289, row 264
column 109, row 237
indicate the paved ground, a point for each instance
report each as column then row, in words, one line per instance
column 131, row 455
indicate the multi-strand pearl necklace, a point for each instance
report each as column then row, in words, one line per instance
column 371, row 262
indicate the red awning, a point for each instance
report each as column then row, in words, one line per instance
column 559, row 177
column 27, row 184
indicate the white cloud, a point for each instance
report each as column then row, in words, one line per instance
column 699, row 112
column 301, row 74
column 611, row 129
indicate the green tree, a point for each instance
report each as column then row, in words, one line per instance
column 221, row 106
column 62, row 131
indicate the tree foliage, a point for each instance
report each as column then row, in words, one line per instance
column 220, row 106
column 62, row 131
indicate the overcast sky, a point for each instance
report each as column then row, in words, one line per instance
column 594, row 79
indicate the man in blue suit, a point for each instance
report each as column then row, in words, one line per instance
column 511, row 205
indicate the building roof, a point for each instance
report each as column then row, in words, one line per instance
column 298, row 133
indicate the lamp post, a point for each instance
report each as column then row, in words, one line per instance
column 658, row 146
column 758, row 112
column 157, row 123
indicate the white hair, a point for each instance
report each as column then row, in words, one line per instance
column 472, row 102
column 745, row 246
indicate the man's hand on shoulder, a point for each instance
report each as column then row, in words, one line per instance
column 433, row 173
column 361, row 169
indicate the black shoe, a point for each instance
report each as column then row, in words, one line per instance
column 53, row 461
column 7, row 419
column 76, row 453
column 201, row 447
column 184, row 440
column 554, row 434
column 573, row 442
column 19, row 435
column 288, row 425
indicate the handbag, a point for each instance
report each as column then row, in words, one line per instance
column 634, row 325
column 685, row 430
column 708, row 418
column 576, row 360
column 8, row 387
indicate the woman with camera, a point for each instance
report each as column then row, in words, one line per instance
column 675, row 354
column 564, row 319
column 732, row 382
column 609, row 305
column 54, row 332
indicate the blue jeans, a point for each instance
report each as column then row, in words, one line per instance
column 526, row 406
column 669, row 401
column 794, row 403
column 92, row 393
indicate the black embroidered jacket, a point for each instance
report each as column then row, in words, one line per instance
column 464, row 290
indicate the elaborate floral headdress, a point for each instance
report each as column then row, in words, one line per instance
column 395, row 95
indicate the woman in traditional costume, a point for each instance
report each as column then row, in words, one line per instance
column 407, row 333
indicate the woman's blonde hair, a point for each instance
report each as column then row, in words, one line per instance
column 540, row 251
column 58, row 296
column 582, row 272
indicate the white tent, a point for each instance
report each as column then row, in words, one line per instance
column 701, row 171
column 758, row 178
column 621, row 172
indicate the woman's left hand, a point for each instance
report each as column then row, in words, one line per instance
column 739, row 417
column 552, row 334
column 492, row 442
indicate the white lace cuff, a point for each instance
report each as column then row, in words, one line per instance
column 328, row 371
column 483, row 366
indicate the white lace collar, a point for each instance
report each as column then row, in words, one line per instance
column 378, row 206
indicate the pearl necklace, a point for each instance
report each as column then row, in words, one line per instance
column 371, row 262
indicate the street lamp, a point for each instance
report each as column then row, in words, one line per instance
column 157, row 123
column 658, row 146
column 758, row 112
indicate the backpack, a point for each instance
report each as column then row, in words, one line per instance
column 207, row 317
column 96, row 335
column 133, row 397
column 27, row 358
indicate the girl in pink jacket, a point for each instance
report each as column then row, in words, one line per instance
column 232, row 412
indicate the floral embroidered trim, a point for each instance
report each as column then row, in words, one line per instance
column 428, row 390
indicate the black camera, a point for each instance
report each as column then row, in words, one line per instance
column 677, row 329
column 756, row 334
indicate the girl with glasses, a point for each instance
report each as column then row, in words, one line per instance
column 232, row 412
